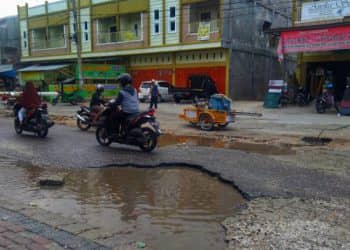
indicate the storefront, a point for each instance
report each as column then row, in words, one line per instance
column 49, row 77
column 7, row 77
column 43, row 75
column 176, row 68
column 323, row 55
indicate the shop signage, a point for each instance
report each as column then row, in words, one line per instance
column 101, row 71
column 322, row 10
column 337, row 38
column 204, row 31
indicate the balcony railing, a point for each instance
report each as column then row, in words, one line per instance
column 213, row 26
column 121, row 36
column 49, row 44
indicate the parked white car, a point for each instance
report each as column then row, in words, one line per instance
column 164, row 89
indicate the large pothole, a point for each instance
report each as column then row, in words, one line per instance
column 172, row 208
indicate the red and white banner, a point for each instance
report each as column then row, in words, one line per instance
column 337, row 38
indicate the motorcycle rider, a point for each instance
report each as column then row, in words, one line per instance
column 96, row 102
column 127, row 99
column 28, row 101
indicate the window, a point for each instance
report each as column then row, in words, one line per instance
column 86, row 34
column 172, row 20
column 156, row 22
column 24, row 35
column 107, row 30
column 56, row 36
column 136, row 29
column 164, row 84
column 205, row 17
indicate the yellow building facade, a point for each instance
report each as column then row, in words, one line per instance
column 162, row 39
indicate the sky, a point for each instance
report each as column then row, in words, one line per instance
column 9, row 7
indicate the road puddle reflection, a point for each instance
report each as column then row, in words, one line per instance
column 175, row 208
column 260, row 148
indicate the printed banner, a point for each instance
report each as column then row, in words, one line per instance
column 337, row 38
column 101, row 71
column 322, row 10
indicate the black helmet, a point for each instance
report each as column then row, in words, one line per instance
column 125, row 79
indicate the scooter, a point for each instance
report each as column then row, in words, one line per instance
column 141, row 130
column 85, row 118
column 73, row 98
column 324, row 102
column 36, row 121
column 8, row 100
column 302, row 97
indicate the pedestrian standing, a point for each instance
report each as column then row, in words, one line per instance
column 154, row 93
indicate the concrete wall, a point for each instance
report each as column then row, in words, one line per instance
column 253, row 59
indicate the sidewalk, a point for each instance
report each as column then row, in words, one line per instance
column 25, row 227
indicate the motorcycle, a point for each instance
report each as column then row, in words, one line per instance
column 73, row 98
column 8, row 100
column 284, row 99
column 324, row 102
column 36, row 121
column 302, row 97
column 141, row 130
column 85, row 118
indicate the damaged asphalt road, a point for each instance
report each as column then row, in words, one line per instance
column 253, row 174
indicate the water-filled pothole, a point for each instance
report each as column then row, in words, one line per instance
column 173, row 208
column 260, row 148
column 317, row 141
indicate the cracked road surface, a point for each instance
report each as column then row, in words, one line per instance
column 255, row 175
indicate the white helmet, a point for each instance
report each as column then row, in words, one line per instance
column 100, row 87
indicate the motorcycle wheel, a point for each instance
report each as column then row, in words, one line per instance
column 42, row 133
column 151, row 140
column 320, row 107
column 206, row 123
column 73, row 102
column 300, row 100
column 54, row 101
column 102, row 137
column 84, row 126
column 18, row 128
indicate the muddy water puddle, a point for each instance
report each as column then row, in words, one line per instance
column 260, row 148
column 175, row 208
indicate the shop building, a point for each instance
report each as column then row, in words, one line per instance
column 320, row 37
column 162, row 39
column 9, row 51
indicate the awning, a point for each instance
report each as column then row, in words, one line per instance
column 43, row 68
column 314, row 40
column 5, row 67
column 6, row 70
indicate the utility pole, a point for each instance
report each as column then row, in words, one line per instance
column 77, row 39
